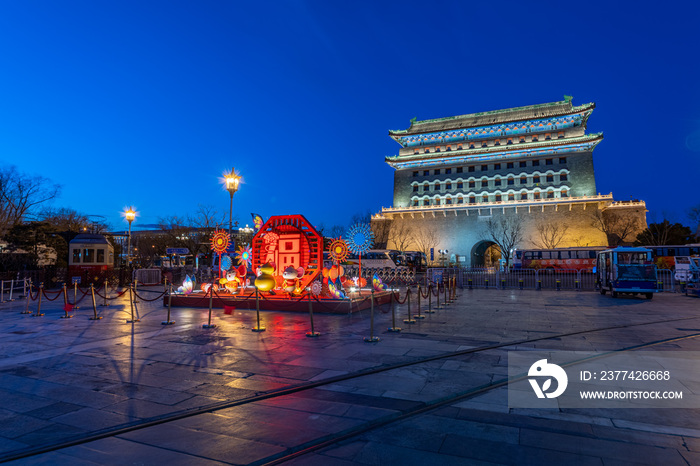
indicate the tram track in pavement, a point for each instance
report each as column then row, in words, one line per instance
column 331, row 439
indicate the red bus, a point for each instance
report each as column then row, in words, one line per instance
column 665, row 256
column 562, row 259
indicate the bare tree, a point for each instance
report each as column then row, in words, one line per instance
column 20, row 195
column 506, row 232
column 381, row 227
column 616, row 225
column 425, row 239
column 401, row 233
column 550, row 234
column 337, row 231
column 361, row 217
column 694, row 217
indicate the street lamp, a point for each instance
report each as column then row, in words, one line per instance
column 232, row 181
column 130, row 215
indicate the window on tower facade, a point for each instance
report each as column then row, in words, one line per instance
column 472, row 184
column 536, row 195
column 426, row 202
column 415, row 174
column 511, row 197
column 562, row 160
column 426, row 187
column 472, row 200
column 459, row 170
column 511, row 181
column 523, row 164
column 563, row 177
column 484, row 168
column 460, row 185
column 426, row 172
column 497, row 182
column 436, row 172
column 548, row 161
column 460, row 200
column 523, row 179
column 472, row 168
column 485, row 198
column 496, row 166
column 415, row 188
column 498, row 198
column 448, row 185
column 509, row 165
column 550, row 194
column 535, row 163
column 523, row 196
column 536, row 179
column 485, row 183
column 550, row 178
column 448, row 171
column 564, row 193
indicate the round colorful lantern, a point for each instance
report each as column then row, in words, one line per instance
column 226, row 262
column 219, row 241
column 244, row 255
column 359, row 238
column 338, row 250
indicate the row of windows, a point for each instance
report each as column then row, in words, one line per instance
column 485, row 167
column 484, row 183
column 472, row 199
column 89, row 256
column 489, row 143
column 575, row 254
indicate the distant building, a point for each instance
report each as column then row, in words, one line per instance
column 534, row 162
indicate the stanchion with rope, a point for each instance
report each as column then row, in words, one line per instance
column 170, row 300
column 454, row 289
column 444, row 294
column 94, row 304
column 430, row 301
column 410, row 319
column 38, row 308
column 106, row 293
column 312, row 333
column 437, row 296
column 136, row 296
column 393, row 327
column 257, row 312
column 131, row 302
column 371, row 338
column 75, row 296
column 66, row 306
column 28, row 297
column 418, row 314
column 211, row 300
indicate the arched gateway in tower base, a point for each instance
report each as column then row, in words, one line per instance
column 532, row 164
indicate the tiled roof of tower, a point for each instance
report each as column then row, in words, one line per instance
column 551, row 109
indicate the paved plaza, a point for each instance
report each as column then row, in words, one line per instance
column 78, row 391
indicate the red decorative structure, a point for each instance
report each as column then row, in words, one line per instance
column 289, row 240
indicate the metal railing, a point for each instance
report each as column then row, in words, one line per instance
column 533, row 279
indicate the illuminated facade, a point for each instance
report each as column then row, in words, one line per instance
column 535, row 162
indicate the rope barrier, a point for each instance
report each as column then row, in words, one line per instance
column 149, row 300
column 58, row 293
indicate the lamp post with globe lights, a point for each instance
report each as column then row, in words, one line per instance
column 232, row 180
column 130, row 215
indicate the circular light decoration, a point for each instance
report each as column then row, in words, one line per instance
column 360, row 238
column 338, row 250
column 219, row 241
column 244, row 255
column 226, row 262
column 316, row 288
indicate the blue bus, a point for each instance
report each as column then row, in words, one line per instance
column 626, row 270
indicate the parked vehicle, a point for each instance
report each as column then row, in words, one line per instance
column 561, row 259
column 626, row 270
column 90, row 258
column 688, row 273
column 665, row 256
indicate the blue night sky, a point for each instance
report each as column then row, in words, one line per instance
column 148, row 103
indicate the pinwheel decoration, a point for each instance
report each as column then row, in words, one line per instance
column 226, row 262
column 219, row 241
column 338, row 250
column 359, row 238
column 244, row 255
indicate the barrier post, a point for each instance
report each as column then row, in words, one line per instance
column 486, row 283
column 437, row 296
column 12, row 287
column 105, row 303
column 393, row 327
column 211, row 302
column 257, row 312
column 38, row 309
column 24, row 287
column 170, row 300
column 2, row 291
column 94, row 304
column 75, row 296
column 410, row 320
column 418, row 314
column 520, row 283
column 444, row 295
column 558, row 285
column 27, row 297
column 131, row 303
column 469, row 281
column 430, row 301
column 539, row 284
column 371, row 338
column 65, row 303
column 313, row 333
column 660, row 285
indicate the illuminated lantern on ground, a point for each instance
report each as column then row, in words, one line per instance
column 289, row 241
